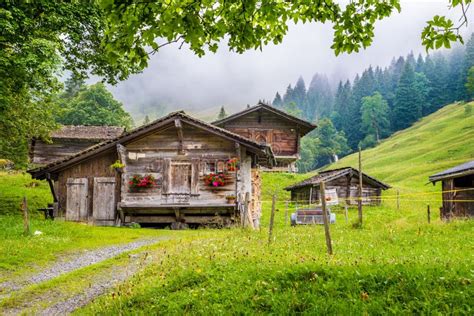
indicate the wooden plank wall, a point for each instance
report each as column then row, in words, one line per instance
column 279, row 132
column 158, row 154
column 97, row 167
column 43, row 153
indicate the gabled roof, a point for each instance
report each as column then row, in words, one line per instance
column 305, row 126
column 454, row 172
column 87, row 132
column 144, row 130
column 328, row 175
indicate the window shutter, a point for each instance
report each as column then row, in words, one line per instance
column 166, row 175
column 195, row 163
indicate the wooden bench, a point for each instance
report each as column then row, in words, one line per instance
column 48, row 211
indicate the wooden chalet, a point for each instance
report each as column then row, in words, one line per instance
column 70, row 140
column 457, row 190
column 346, row 183
column 181, row 154
column 266, row 124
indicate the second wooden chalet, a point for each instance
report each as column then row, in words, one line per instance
column 69, row 140
column 265, row 124
column 346, row 183
column 175, row 170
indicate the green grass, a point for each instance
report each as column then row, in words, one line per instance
column 439, row 141
column 396, row 263
column 21, row 254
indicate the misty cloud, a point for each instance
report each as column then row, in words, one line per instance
column 182, row 80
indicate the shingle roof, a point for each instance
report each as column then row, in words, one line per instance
column 306, row 126
column 454, row 172
column 40, row 173
column 87, row 132
column 329, row 175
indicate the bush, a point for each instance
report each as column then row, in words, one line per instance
column 468, row 109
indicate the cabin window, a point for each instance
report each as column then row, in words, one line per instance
column 210, row 168
column 220, row 166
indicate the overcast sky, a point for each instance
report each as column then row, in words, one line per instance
column 181, row 80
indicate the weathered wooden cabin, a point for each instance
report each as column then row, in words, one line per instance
column 346, row 183
column 457, row 190
column 194, row 168
column 69, row 140
column 266, row 124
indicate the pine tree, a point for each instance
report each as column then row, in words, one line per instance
column 420, row 64
column 319, row 98
column 222, row 114
column 456, row 74
column 299, row 95
column 277, row 101
column 422, row 85
column 406, row 107
column 375, row 116
column 146, row 120
column 288, row 96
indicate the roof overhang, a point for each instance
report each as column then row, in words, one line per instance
column 143, row 131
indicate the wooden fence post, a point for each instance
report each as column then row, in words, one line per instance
column 272, row 219
column 360, row 187
column 325, row 219
column 286, row 213
column 26, row 220
column 345, row 213
column 428, row 213
column 398, row 200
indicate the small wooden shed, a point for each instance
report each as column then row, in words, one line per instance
column 266, row 124
column 69, row 140
column 180, row 154
column 457, row 190
column 346, row 183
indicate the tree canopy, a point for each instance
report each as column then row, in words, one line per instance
column 93, row 105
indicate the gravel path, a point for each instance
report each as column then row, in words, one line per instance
column 75, row 262
column 101, row 285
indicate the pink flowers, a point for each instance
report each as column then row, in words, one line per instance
column 215, row 179
column 137, row 181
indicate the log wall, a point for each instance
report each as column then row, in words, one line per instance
column 269, row 128
column 43, row 153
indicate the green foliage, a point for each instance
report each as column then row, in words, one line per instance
column 134, row 27
column 292, row 109
column 406, row 109
column 93, row 105
column 321, row 146
column 375, row 116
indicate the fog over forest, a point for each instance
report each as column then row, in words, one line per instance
column 178, row 79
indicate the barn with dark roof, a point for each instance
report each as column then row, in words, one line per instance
column 176, row 170
column 457, row 190
column 345, row 181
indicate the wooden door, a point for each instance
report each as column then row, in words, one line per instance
column 77, row 200
column 180, row 178
column 103, row 202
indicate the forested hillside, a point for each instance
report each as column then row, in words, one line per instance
column 377, row 103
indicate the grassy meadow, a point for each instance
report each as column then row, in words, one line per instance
column 396, row 263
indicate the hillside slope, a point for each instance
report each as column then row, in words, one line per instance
column 406, row 159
